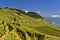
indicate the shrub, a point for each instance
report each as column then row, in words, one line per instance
column 10, row 27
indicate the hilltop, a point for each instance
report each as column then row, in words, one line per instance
column 17, row 24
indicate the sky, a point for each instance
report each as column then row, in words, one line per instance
column 45, row 7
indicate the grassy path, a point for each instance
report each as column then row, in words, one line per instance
column 6, row 33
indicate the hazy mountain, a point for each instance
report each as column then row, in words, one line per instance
column 54, row 20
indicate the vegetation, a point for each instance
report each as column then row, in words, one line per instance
column 16, row 24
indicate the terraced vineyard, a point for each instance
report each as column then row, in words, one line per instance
column 20, row 25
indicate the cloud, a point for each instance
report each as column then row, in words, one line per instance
column 55, row 16
column 26, row 11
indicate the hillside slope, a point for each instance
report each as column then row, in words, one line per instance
column 20, row 25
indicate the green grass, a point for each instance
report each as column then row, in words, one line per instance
column 29, row 26
column 11, row 35
column 2, row 30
